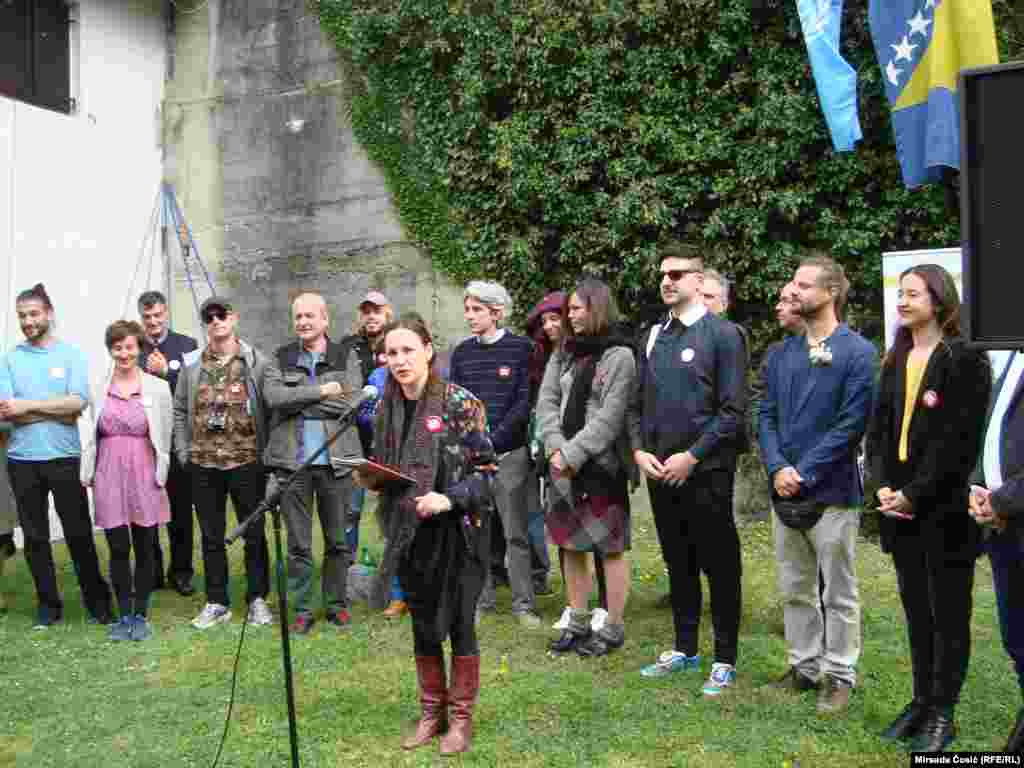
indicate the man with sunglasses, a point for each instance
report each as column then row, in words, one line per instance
column 164, row 354
column 684, row 421
column 220, row 433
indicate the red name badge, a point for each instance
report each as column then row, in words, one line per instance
column 434, row 424
column 930, row 398
column 504, row 371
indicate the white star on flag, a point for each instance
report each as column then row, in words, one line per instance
column 904, row 49
column 919, row 24
column 892, row 72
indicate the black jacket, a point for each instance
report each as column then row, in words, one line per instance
column 174, row 348
column 1008, row 499
column 945, row 436
column 691, row 393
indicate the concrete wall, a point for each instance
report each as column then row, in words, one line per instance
column 279, row 195
column 77, row 191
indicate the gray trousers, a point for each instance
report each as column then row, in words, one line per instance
column 516, row 496
column 333, row 498
column 829, row 546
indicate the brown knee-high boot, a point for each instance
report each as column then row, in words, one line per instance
column 433, row 701
column 462, row 697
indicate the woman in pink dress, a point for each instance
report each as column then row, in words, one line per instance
column 125, row 461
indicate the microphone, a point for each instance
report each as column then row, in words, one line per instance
column 369, row 392
column 274, row 491
column 271, row 498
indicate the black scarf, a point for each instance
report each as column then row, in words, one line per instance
column 585, row 351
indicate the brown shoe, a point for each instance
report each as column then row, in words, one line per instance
column 834, row 696
column 433, row 701
column 396, row 609
column 794, row 680
column 462, row 697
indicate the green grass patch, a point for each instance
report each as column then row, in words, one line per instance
column 75, row 699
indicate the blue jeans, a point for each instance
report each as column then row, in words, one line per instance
column 540, row 561
column 396, row 589
column 1006, row 553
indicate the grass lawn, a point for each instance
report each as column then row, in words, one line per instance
column 74, row 699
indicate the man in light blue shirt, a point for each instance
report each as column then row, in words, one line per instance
column 44, row 386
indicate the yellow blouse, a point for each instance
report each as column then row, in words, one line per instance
column 915, row 373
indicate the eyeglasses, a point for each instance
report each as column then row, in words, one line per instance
column 675, row 275
column 215, row 314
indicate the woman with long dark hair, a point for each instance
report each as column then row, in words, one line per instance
column 581, row 412
column 545, row 326
column 437, row 530
column 922, row 444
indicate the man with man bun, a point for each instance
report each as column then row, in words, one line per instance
column 44, row 387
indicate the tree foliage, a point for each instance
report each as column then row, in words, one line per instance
column 533, row 140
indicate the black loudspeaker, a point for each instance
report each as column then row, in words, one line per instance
column 991, row 209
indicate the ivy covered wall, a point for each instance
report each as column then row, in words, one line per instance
column 532, row 140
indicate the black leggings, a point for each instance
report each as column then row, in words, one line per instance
column 462, row 632
column 122, row 541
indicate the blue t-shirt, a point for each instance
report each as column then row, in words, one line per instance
column 43, row 373
column 314, row 431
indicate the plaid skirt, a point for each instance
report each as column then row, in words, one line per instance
column 589, row 522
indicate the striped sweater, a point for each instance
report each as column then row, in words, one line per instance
column 498, row 374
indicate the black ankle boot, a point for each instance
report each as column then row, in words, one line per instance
column 908, row 722
column 568, row 641
column 1015, row 745
column 937, row 732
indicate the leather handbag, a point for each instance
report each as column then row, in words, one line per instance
column 798, row 514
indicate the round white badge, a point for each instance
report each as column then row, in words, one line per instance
column 174, row 365
column 687, row 355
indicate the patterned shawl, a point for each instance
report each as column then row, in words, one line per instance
column 448, row 450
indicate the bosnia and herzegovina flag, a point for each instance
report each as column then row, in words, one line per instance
column 834, row 78
column 922, row 45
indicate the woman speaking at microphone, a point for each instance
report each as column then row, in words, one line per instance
column 438, row 530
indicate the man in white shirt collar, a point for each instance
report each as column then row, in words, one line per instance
column 997, row 497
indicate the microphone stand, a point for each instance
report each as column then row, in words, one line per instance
column 271, row 502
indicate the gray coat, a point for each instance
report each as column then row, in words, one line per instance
column 185, row 398
column 604, row 437
column 288, row 395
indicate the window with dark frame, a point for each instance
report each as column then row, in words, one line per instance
column 35, row 62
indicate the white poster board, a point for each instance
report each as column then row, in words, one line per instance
column 895, row 262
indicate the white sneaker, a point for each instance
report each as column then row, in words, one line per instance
column 598, row 619
column 259, row 613
column 212, row 613
column 563, row 622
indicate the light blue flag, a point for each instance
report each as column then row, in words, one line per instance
column 835, row 79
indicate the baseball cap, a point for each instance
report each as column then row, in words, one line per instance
column 376, row 298
column 215, row 301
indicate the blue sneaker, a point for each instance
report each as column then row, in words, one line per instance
column 122, row 628
column 722, row 676
column 141, row 629
column 47, row 616
column 671, row 662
